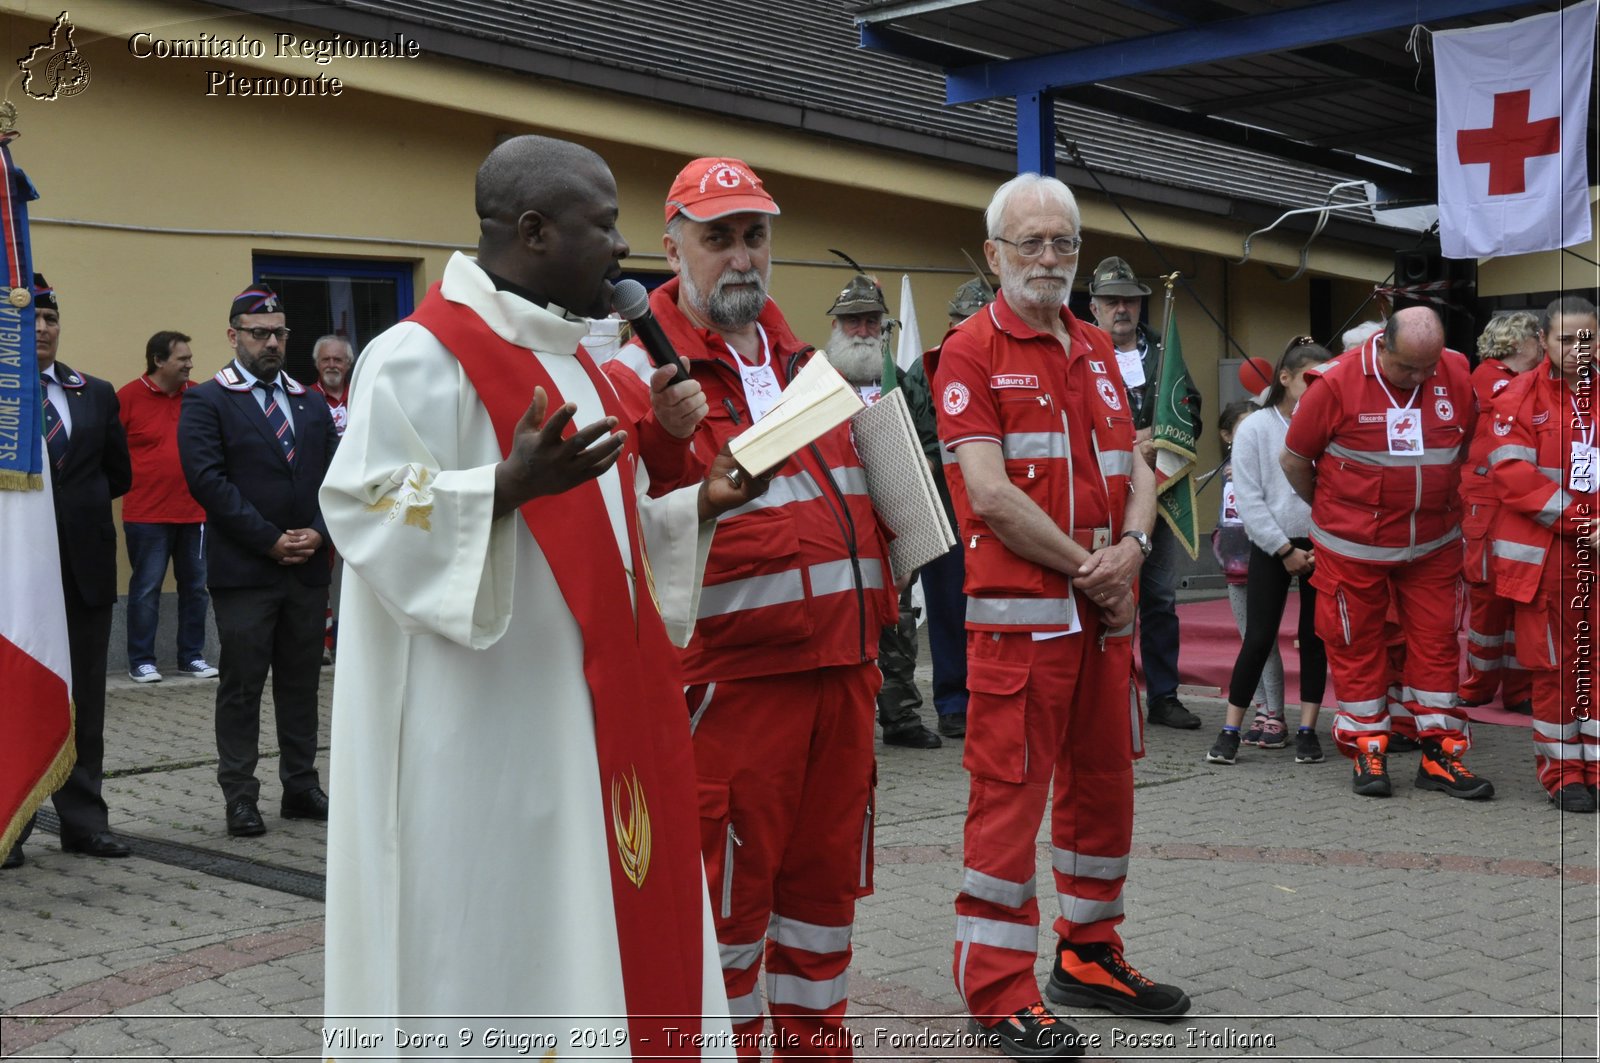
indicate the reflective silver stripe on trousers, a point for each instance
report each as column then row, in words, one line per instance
column 1116, row 463
column 1038, row 445
column 811, row 937
column 1022, row 612
column 997, row 890
column 1571, row 750
column 1553, row 508
column 1434, row 721
column 746, row 1008
column 1364, row 552
column 1083, row 910
column 739, row 957
column 1531, row 555
column 1478, row 638
column 1481, row 664
column 804, row 993
column 836, row 577
column 1082, row 865
column 1560, row 732
column 1512, row 452
column 753, row 592
column 1430, row 456
column 1370, row 707
column 1432, row 699
column 1020, row 937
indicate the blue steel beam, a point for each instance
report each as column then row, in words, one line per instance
column 1036, row 134
column 1235, row 38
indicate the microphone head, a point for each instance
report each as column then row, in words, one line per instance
column 629, row 299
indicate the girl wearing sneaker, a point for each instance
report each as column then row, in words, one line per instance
column 1231, row 547
column 1278, row 523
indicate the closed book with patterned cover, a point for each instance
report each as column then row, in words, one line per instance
column 901, row 484
column 816, row 402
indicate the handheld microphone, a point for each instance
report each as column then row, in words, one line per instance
column 629, row 299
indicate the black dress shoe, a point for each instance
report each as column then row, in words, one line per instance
column 918, row 737
column 14, row 858
column 244, row 820
column 1168, row 711
column 1521, row 708
column 307, row 804
column 101, row 843
column 953, row 725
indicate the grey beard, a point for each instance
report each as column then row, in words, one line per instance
column 729, row 310
column 1018, row 293
column 858, row 359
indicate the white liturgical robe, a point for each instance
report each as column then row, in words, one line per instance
column 468, row 874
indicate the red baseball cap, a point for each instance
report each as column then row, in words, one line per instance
column 714, row 188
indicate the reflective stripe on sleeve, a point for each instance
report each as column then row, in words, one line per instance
column 1512, row 452
column 1528, row 555
column 1553, row 508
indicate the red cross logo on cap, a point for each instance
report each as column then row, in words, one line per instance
column 728, row 177
column 1509, row 142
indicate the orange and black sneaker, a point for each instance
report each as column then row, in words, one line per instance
column 1441, row 769
column 1032, row 1033
column 1096, row 976
column 1372, row 766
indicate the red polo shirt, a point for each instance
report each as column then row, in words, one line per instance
column 159, row 494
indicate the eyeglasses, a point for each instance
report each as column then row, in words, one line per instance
column 260, row 335
column 1033, row 246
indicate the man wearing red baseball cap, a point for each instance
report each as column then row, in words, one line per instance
column 797, row 588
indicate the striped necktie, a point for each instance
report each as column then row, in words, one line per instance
column 55, row 433
column 278, row 421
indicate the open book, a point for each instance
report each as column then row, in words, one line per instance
column 816, row 401
column 901, row 484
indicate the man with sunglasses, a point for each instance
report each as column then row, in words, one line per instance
column 255, row 446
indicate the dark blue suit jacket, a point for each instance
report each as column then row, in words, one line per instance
column 251, row 495
column 96, row 470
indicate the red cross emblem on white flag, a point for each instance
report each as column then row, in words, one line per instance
column 1513, row 125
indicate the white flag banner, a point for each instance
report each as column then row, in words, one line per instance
column 1513, row 103
column 910, row 349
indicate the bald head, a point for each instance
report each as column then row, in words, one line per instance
column 1411, row 346
column 533, row 173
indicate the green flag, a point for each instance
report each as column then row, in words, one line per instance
column 1174, row 431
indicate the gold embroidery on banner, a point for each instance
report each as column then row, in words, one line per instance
column 633, row 833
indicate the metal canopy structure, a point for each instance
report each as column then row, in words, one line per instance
column 1340, row 85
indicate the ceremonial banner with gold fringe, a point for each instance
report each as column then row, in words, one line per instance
column 36, row 747
column 1174, row 432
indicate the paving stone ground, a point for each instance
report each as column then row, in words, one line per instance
column 1305, row 922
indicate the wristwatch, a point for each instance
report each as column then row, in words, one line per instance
column 1141, row 538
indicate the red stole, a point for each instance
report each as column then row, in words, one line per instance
column 647, row 772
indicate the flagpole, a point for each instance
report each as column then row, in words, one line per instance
column 1169, row 281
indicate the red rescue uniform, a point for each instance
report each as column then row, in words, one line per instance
column 160, row 494
column 1051, row 698
column 781, row 681
column 1545, row 476
column 1385, row 518
column 1492, row 664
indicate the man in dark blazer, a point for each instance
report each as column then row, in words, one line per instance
column 254, row 447
column 89, row 466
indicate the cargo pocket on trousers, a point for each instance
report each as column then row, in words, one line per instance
column 869, row 833
column 996, row 746
column 719, row 842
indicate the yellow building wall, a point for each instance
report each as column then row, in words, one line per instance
column 196, row 185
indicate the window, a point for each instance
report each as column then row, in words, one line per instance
column 353, row 298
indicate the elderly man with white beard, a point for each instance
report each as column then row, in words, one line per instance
column 856, row 348
column 1055, row 515
column 780, row 675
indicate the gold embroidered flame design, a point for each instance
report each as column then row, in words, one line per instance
column 412, row 504
column 633, row 833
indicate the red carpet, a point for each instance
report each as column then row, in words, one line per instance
column 1210, row 643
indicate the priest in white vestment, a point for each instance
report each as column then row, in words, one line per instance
column 470, row 894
